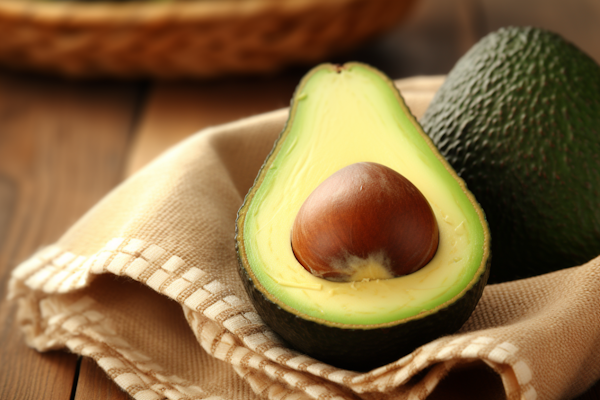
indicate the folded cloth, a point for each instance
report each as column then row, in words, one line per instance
column 147, row 285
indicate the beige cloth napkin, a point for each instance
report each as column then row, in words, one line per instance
column 146, row 284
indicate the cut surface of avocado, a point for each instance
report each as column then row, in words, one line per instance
column 340, row 116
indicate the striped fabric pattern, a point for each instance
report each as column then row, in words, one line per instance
column 228, row 329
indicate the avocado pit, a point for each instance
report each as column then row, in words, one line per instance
column 366, row 221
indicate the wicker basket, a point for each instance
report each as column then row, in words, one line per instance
column 197, row 38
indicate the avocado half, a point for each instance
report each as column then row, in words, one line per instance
column 341, row 115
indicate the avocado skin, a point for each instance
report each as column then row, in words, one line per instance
column 363, row 349
column 518, row 118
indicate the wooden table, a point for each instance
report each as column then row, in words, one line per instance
column 65, row 144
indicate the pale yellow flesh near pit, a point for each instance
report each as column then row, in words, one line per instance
column 340, row 119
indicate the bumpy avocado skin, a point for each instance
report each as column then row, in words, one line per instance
column 358, row 347
column 519, row 120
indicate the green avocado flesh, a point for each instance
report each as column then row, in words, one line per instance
column 340, row 116
column 518, row 118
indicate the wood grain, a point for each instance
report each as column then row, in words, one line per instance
column 62, row 147
column 94, row 384
column 176, row 110
column 27, row 374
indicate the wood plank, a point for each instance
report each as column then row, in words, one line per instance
column 62, row 147
column 176, row 110
column 94, row 384
column 27, row 374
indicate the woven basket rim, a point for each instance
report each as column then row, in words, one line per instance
column 178, row 38
column 59, row 11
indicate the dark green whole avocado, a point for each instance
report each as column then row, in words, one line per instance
column 518, row 118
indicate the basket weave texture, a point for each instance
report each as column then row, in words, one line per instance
column 185, row 39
